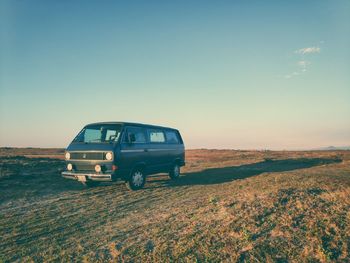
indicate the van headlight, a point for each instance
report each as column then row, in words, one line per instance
column 69, row 167
column 109, row 156
column 67, row 155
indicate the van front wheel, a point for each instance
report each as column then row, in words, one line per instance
column 174, row 172
column 137, row 180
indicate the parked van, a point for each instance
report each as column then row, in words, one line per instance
column 110, row 151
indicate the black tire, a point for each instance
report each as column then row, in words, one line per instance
column 137, row 180
column 91, row 183
column 174, row 172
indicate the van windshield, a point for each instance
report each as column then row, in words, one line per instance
column 104, row 133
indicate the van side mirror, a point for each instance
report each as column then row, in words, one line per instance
column 131, row 138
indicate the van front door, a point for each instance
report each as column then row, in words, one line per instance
column 134, row 148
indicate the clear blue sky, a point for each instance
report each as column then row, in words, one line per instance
column 227, row 74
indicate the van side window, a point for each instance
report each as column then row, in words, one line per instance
column 138, row 135
column 171, row 137
column 156, row 136
column 112, row 135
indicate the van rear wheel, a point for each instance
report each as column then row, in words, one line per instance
column 137, row 180
column 175, row 172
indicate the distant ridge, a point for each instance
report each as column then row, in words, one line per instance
column 332, row 148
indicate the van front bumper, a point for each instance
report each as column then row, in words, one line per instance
column 87, row 177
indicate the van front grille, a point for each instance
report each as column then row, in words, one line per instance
column 84, row 167
column 87, row 155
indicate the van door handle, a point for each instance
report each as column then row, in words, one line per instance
column 145, row 150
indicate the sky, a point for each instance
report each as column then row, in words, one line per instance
column 227, row 74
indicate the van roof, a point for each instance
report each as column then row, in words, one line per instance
column 131, row 124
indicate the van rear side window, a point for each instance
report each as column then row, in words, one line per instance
column 171, row 137
column 138, row 134
column 156, row 136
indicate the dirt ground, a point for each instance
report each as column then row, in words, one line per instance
column 240, row 206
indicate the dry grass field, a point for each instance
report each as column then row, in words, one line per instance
column 236, row 206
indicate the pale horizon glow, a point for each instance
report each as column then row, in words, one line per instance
column 240, row 75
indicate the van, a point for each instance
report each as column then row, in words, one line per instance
column 111, row 151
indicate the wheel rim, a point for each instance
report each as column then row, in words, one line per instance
column 137, row 179
column 176, row 170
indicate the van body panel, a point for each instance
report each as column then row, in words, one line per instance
column 91, row 147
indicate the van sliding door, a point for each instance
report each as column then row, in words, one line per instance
column 158, row 150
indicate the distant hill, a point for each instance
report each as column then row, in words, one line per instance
column 333, row 148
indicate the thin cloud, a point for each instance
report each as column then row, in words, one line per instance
column 295, row 73
column 302, row 64
column 308, row 50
